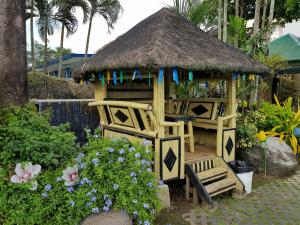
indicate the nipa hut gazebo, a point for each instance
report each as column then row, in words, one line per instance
column 135, row 77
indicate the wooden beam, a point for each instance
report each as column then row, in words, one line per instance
column 100, row 91
column 232, row 105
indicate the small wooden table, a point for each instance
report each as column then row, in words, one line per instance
column 189, row 120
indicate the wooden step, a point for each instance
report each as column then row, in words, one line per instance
column 212, row 174
column 220, row 186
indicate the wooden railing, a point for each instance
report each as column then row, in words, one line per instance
column 129, row 116
column 221, row 120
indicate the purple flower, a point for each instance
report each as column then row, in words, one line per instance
column 134, row 180
column 81, row 165
column 72, row 203
column 146, row 222
column 108, row 202
column 147, row 143
column 89, row 194
column 105, row 208
column 88, row 204
column 149, row 170
column 122, row 151
column 132, row 149
column 94, row 190
column 95, row 210
column 161, row 182
column 135, row 213
column 95, row 162
column 146, row 206
column 133, row 174
column 93, row 198
column 137, row 155
column 58, row 179
column 149, row 184
column 44, row 195
column 79, row 157
column 105, row 197
column 121, row 159
column 70, row 189
column 110, row 150
column 116, row 187
column 48, row 187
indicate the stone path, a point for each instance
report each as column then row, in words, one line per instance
column 274, row 203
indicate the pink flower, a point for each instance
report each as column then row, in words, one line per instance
column 26, row 172
column 70, row 175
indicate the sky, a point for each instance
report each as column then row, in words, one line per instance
column 134, row 12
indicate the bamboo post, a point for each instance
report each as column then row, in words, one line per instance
column 181, row 134
column 159, row 114
column 99, row 95
column 232, row 102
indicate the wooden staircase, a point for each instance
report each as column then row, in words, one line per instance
column 209, row 177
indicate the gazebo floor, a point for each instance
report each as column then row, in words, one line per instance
column 201, row 152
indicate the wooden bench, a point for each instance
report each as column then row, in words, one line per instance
column 213, row 122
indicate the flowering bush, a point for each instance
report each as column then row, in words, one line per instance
column 107, row 175
column 26, row 135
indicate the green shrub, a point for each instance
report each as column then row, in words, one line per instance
column 26, row 135
column 246, row 132
column 113, row 175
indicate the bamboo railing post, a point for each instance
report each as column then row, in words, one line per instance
column 219, row 136
column 232, row 102
column 182, row 150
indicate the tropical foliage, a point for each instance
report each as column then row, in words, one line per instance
column 284, row 122
column 114, row 175
column 26, row 135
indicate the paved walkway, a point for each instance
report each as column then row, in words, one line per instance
column 274, row 202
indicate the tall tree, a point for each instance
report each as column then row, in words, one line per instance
column 236, row 39
column 46, row 24
column 220, row 7
column 263, row 19
column 32, row 35
column 225, row 21
column 271, row 18
column 68, row 20
column 108, row 9
column 256, row 17
column 13, row 65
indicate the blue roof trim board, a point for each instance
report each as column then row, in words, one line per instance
column 66, row 57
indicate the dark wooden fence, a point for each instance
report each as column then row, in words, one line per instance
column 74, row 111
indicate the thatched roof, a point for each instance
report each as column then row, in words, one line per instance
column 166, row 39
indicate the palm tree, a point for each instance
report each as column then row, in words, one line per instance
column 225, row 21
column 46, row 23
column 271, row 17
column 13, row 63
column 108, row 9
column 220, row 7
column 66, row 16
column 256, row 17
column 236, row 40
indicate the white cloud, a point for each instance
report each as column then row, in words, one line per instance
column 134, row 12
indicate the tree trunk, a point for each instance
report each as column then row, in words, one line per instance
column 264, row 14
column 225, row 21
column 220, row 19
column 61, row 50
column 88, row 37
column 256, row 17
column 46, row 47
column 13, row 60
column 271, row 17
column 236, row 38
column 32, row 36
